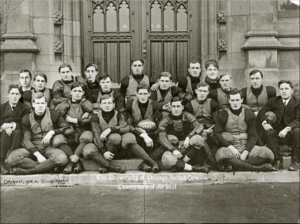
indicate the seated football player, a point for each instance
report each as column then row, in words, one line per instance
column 139, row 109
column 98, row 85
column 235, row 133
column 212, row 70
column 220, row 95
column 165, row 93
column 205, row 109
column 77, row 111
column 285, row 126
column 12, row 113
column 39, row 85
column 112, row 134
column 181, row 141
column 188, row 84
column 61, row 88
column 257, row 95
column 40, row 127
column 130, row 83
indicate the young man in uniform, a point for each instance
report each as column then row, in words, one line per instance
column 12, row 113
column 77, row 111
column 205, row 109
column 165, row 93
column 212, row 70
column 181, row 143
column 188, row 84
column 40, row 127
column 220, row 95
column 235, row 133
column 257, row 95
column 140, row 109
column 285, row 128
column 130, row 83
column 39, row 81
column 61, row 88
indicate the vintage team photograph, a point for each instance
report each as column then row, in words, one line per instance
column 150, row 111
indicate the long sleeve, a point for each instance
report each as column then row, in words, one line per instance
column 163, row 124
column 251, row 131
column 124, row 85
column 96, row 130
column 27, row 135
column 219, row 128
column 60, row 124
column 197, row 127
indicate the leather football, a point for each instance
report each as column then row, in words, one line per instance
column 147, row 125
column 270, row 117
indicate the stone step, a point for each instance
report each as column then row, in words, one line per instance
column 137, row 178
column 132, row 164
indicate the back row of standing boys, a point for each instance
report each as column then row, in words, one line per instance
column 194, row 126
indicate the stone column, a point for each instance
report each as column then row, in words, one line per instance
column 19, row 48
column 261, row 44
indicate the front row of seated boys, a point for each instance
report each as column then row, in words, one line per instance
column 177, row 134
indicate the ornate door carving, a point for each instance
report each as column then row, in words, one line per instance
column 162, row 32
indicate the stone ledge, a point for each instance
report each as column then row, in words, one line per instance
column 90, row 178
column 132, row 164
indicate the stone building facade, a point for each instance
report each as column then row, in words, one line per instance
column 240, row 34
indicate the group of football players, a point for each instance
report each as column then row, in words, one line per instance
column 191, row 124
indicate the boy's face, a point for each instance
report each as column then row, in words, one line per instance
column 143, row 95
column 39, row 105
column 107, row 105
column 25, row 79
column 66, row 74
column 176, row 108
column 105, row 84
column 164, row 83
column 235, row 101
column 90, row 74
column 256, row 80
column 225, row 82
column 14, row 96
column 202, row 92
column 195, row 69
column 212, row 72
column 285, row 91
column 137, row 68
column 77, row 93
column 39, row 83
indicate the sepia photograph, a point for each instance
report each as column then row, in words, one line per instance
column 149, row 111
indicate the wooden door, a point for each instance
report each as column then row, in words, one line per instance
column 161, row 32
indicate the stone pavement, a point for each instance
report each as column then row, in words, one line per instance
column 194, row 203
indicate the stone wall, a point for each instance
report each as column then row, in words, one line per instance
column 258, row 38
column 240, row 34
column 35, row 41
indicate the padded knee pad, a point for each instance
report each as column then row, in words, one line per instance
column 60, row 159
column 197, row 141
column 86, row 137
column 89, row 150
column 127, row 139
column 168, row 160
column 114, row 138
column 58, row 140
